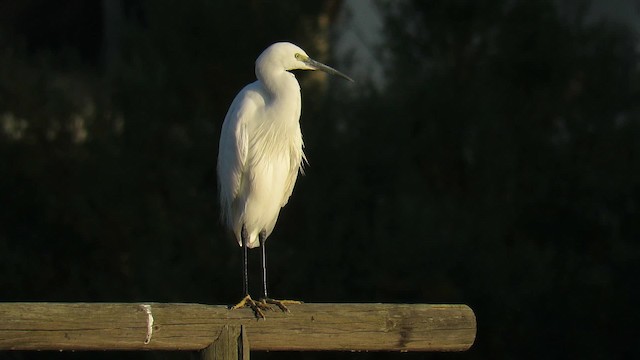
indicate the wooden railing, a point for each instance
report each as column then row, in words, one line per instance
column 220, row 333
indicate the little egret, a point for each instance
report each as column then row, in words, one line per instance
column 261, row 154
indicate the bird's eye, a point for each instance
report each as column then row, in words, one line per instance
column 299, row 56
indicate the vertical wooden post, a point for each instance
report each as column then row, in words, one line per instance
column 232, row 344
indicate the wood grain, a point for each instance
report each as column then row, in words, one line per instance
column 230, row 344
column 348, row 327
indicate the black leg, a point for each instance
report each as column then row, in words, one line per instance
column 247, row 301
column 266, row 300
column 263, row 237
column 245, row 261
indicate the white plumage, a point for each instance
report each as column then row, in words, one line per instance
column 260, row 154
column 260, row 151
column 261, row 146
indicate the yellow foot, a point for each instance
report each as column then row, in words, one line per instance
column 280, row 303
column 256, row 306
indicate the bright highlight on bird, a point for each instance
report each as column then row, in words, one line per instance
column 260, row 155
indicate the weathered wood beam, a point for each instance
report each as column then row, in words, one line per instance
column 231, row 344
column 308, row 327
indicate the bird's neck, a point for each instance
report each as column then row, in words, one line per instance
column 281, row 85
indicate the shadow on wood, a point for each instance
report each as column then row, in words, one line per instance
column 309, row 327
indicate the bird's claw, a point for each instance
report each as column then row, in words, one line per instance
column 263, row 304
column 256, row 306
column 281, row 304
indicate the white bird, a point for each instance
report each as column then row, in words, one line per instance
column 260, row 154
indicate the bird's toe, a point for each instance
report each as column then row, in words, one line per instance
column 281, row 304
column 256, row 306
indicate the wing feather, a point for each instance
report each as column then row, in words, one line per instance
column 233, row 150
column 297, row 161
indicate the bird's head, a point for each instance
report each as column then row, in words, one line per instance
column 288, row 56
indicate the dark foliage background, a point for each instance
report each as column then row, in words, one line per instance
column 499, row 167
